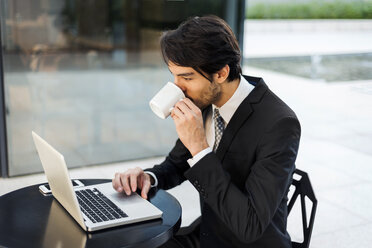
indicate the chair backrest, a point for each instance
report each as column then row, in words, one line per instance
column 303, row 189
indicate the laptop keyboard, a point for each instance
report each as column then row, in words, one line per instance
column 97, row 207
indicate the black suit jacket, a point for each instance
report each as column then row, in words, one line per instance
column 244, row 185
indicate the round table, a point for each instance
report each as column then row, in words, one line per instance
column 30, row 219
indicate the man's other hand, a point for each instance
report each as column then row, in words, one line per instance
column 132, row 179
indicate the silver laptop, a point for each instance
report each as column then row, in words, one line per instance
column 93, row 207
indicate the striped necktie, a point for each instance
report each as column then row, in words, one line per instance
column 219, row 126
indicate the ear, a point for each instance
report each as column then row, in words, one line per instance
column 222, row 74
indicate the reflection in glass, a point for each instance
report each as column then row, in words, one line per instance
column 81, row 74
column 61, row 230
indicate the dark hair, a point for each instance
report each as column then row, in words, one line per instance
column 206, row 44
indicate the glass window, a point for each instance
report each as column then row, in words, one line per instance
column 81, row 74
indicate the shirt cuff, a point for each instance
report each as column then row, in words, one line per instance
column 198, row 156
column 153, row 176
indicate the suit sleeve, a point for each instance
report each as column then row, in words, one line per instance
column 170, row 172
column 247, row 213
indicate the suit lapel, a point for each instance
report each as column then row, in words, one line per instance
column 241, row 115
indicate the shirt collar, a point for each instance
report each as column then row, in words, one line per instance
column 229, row 108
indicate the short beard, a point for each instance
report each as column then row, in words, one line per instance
column 211, row 96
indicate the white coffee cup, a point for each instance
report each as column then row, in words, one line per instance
column 163, row 102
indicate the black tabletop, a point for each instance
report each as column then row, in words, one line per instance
column 30, row 219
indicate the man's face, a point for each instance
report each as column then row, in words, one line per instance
column 196, row 87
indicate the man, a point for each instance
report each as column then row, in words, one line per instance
column 237, row 143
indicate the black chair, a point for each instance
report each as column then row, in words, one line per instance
column 303, row 188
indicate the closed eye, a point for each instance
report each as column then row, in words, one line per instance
column 187, row 79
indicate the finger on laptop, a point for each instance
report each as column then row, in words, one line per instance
column 116, row 184
column 125, row 183
column 133, row 181
column 145, row 188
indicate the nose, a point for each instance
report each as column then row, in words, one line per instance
column 179, row 84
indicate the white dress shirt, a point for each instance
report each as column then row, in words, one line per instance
column 226, row 112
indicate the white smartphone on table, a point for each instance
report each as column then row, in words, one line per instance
column 45, row 189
